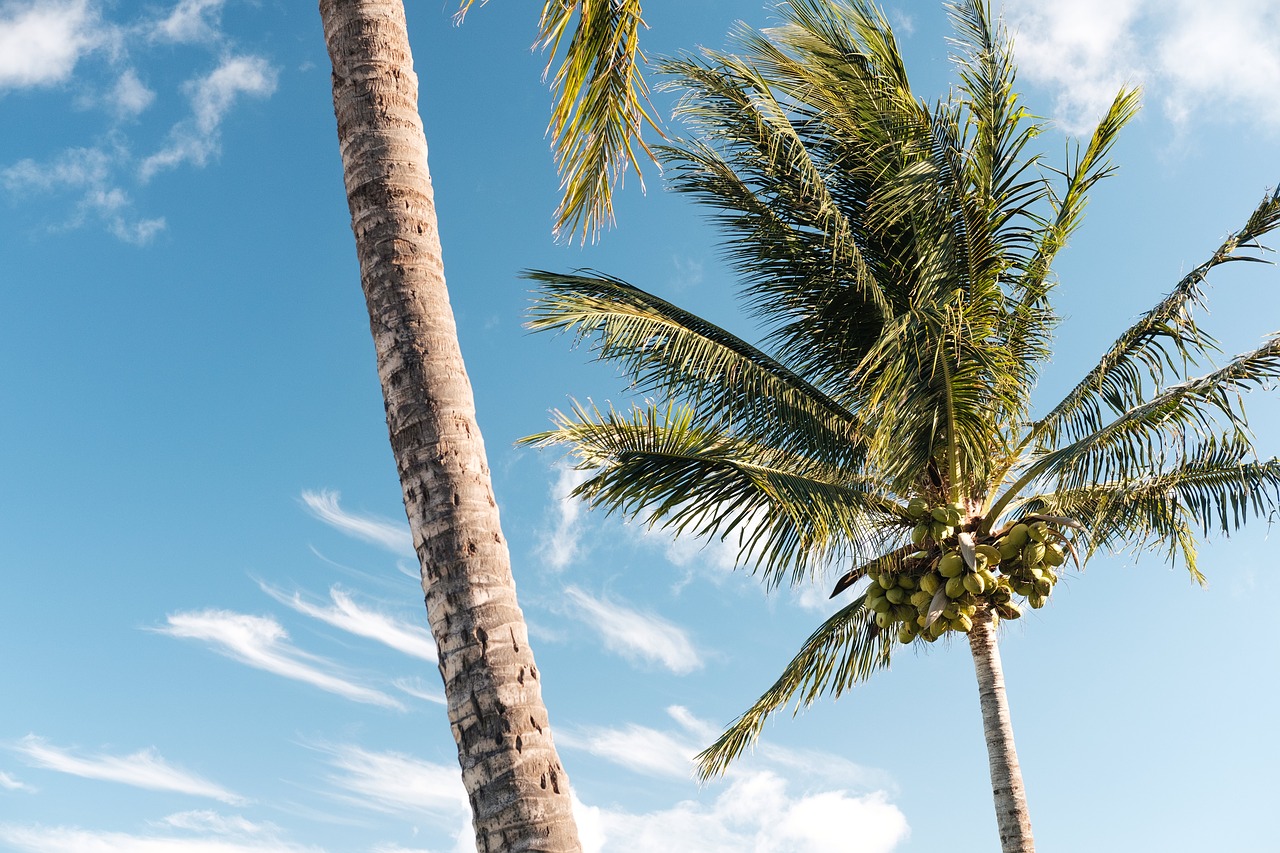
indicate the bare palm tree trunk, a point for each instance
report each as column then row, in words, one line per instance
column 1012, row 818
column 519, row 794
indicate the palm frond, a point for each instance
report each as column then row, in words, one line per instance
column 599, row 108
column 1142, row 438
column 1166, row 339
column 672, row 353
column 1029, row 319
column 845, row 650
column 1218, row 487
column 790, row 515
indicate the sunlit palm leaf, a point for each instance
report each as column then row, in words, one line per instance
column 790, row 515
column 1165, row 338
column 844, row 651
column 669, row 351
column 1140, row 439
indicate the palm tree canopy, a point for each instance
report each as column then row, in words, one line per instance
column 897, row 255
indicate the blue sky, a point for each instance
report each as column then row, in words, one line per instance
column 211, row 633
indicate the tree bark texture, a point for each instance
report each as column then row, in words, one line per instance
column 518, row 791
column 1012, row 818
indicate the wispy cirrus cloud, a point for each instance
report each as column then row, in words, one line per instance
column 391, row 535
column 68, row 839
column 418, row 689
column 262, row 643
column 634, row 634
column 46, row 43
column 90, row 174
column 41, row 42
column 189, row 21
column 640, row 749
column 395, row 783
column 9, row 783
column 348, row 615
column 198, row 139
column 1220, row 60
column 562, row 543
column 143, row 769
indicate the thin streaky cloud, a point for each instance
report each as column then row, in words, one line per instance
column 143, row 769
column 392, row 536
column 34, row 838
column 395, row 783
column 634, row 634
column 198, row 139
column 190, row 21
column 345, row 613
column 9, row 783
column 562, row 543
column 207, row 820
column 639, row 749
column 418, row 689
column 261, row 642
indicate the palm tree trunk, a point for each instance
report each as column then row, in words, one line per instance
column 518, row 791
column 1012, row 818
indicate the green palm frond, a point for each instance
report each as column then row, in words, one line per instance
column 599, row 109
column 600, row 104
column 673, row 353
column 791, row 516
column 1029, row 320
column 1216, row 488
column 1141, row 439
column 758, row 149
column 1165, row 339
column 845, row 650
column 1001, row 173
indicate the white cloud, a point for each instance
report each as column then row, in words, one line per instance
column 130, row 97
column 418, row 689
column 362, row 621
column 261, row 642
column 89, row 172
column 396, row 783
column 640, row 749
column 206, row 820
column 654, row 752
column 636, row 635
column 196, row 140
column 1193, row 58
column 74, row 168
column 561, row 545
column 393, row 536
column 41, row 42
column 11, row 784
column 756, row 812
column 190, row 21
column 62, row 839
column 144, row 769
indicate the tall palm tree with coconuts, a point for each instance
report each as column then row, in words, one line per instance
column 898, row 256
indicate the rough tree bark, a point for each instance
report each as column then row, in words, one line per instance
column 1012, row 817
column 518, row 791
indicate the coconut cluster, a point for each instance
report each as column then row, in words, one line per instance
column 936, row 589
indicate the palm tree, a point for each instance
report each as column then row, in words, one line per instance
column 898, row 257
column 518, row 790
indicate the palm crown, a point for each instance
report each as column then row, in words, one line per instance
column 898, row 257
